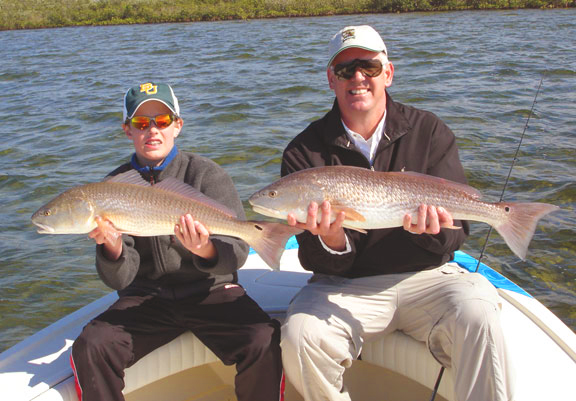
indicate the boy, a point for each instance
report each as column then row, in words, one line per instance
column 170, row 284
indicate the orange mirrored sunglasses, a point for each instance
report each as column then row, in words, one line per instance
column 142, row 122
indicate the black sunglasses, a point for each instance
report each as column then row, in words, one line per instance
column 369, row 68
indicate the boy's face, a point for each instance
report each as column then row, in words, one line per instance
column 152, row 144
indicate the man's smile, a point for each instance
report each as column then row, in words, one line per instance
column 362, row 91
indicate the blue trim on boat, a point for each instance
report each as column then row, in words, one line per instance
column 292, row 243
column 499, row 281
column 467, row 262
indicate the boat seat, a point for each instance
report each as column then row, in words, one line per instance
column 396, row 351
column 184, row 352
column 408, row 357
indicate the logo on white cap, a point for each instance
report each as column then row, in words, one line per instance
column 348, row 34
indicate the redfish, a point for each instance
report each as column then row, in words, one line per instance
column 137, row 208
column 373, row 200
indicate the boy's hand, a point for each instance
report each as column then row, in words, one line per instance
column 107, row 235
column 195, row 237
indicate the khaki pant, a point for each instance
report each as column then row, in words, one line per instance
column 454, row 312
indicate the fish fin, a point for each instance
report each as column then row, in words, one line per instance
column 456, row 186
column 351, row 214
column 178, row 187
column 111, row 219
column 520, row 226
column 360, row 230
column 129, row 177
column 452, row 227
column 271, row 241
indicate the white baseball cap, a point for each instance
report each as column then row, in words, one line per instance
column 363, row 36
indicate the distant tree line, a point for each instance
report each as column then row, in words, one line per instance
column 29, row 14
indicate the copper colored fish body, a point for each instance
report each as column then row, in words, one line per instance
column 137, row 208
column 373, row 200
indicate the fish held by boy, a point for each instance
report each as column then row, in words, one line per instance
column 373, row 200
column 137, row 208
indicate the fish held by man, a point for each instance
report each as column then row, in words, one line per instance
column 373, row 200
column 135, row 207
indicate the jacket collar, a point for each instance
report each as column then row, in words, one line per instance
column 156, row 173
column 396, row 125
column 156, row 169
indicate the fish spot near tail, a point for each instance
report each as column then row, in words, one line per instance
column 520, row 226
column 271, row 240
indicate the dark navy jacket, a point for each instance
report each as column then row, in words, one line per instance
column 414, row 140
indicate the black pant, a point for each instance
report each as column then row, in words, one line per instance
column 228, row 322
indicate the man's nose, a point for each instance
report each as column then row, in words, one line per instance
column 358, row 75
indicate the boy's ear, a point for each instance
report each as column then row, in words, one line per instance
column 178, row 124
column 126, row 129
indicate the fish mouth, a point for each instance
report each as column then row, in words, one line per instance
column 43, row 229
column 266, row 211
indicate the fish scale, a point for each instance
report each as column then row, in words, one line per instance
column 383, row 198
column 157, row 211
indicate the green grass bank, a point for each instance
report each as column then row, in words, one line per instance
column 32, row 14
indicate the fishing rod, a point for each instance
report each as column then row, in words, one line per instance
column 511, row 167
column 437, row 385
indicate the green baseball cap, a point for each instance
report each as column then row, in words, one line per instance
column 140, row 94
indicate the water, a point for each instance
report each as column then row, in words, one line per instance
column 246, row 88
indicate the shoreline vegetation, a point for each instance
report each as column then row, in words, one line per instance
column 35, row 14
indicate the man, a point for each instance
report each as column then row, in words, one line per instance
column 388, row 279
column 170, row 284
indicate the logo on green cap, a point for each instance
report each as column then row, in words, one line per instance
column 149, row 88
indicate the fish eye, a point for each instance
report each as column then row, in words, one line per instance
column 47, row 212
column 273, row 194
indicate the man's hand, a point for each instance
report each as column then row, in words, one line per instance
column 107, row 235
column 195, row 237
column 430, row 220
column 332, row 234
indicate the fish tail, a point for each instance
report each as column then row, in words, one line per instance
column 271, row 240
column 520, row 226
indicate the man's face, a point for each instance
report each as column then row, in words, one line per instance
column 152, row 144
column 360, row 93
